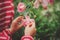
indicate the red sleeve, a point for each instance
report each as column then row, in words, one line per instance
column 6, row 13
column 7, row 31
column 6, row 0
column 27, row 38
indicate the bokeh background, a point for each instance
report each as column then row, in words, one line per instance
column 47, row 22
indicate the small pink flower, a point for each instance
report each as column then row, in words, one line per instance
column 21, row 7
column 51, row 2
column 27, row 21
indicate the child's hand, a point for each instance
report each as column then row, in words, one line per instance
column 30, row 30
column 16, row 24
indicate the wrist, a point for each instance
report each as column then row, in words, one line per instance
column 11, row 30
column 27, row 37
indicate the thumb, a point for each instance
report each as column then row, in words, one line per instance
column 18, row 19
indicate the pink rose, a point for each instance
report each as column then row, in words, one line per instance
column 27, row 21
column 21, row 7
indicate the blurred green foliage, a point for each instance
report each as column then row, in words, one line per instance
column 47, row 22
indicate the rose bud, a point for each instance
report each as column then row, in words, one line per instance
column 27, row 21
column 21, row 7
column 51, row 2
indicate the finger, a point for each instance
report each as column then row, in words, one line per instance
column 18, row 19
column 27, row 26
column 34, row 32
column 33, row 24
column 20, row 25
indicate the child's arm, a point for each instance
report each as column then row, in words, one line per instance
column 29, row 32
column 15, row 24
